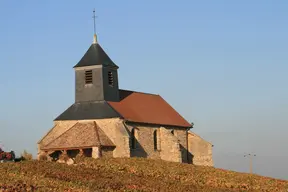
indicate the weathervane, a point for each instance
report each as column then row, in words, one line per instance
column 94, row 18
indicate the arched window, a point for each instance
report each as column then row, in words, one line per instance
column 133, row 139
column 155, row 139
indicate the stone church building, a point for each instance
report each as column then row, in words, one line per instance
column 105, row 121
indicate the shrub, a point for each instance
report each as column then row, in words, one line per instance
column 43, row 157
column 26, row 155
column 64, row 157
column 80, row 158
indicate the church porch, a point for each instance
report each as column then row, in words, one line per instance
column 84, row 138
column 62, row 155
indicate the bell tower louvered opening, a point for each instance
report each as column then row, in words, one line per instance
column 110, row 79
column 88, row 77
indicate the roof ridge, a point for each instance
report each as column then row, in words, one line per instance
column 100, row 132
column 96, row 128
column 164, row 125
column 46, row 134
column 121, row 116
column 140, row 92
column 61, row 134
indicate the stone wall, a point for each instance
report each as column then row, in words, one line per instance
column 144, row 141
column 170, row 147
column 181, row 135
column 200, row 149
column 117, row 133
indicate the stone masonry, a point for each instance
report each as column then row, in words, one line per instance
column 200, row 149
column 173, row 144
column 170, row 146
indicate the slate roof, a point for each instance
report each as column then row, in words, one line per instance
column 88, row 110
column 84, row 134
column 95, row 55
column 147, row 108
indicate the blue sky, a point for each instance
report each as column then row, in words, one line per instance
column 221, row 64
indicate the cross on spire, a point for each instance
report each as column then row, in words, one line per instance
column 94, row 18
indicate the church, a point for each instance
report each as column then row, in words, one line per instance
column 108, row 122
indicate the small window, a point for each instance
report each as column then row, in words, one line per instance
column 88, row 77
column 155, row 140
column 172, row 131
column 110, row 78
column 133, row 139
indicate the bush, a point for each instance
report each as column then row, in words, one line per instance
column 26, row 155
column 43, row 157
column 80, row 158
column 64, row 157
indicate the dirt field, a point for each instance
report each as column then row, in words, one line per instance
column 128, row 175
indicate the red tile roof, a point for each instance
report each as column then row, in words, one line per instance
column 147, row 108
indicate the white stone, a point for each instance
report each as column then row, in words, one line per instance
column 95, row 152
column 60, row 161
column 70, row 161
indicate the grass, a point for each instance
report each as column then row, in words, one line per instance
column 123, row 174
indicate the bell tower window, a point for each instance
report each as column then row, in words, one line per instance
column 88, row 77
column 110, row 78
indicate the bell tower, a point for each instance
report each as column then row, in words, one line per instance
column 96, row 76
column 96, row 83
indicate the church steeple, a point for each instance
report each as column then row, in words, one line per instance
column 96, row 76
column 95, row 55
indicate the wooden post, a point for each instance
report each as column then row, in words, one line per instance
column 251, row 171
column 81, row 152
column 250, row 161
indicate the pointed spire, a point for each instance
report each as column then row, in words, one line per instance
column 95, row 36
column 95, row 55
